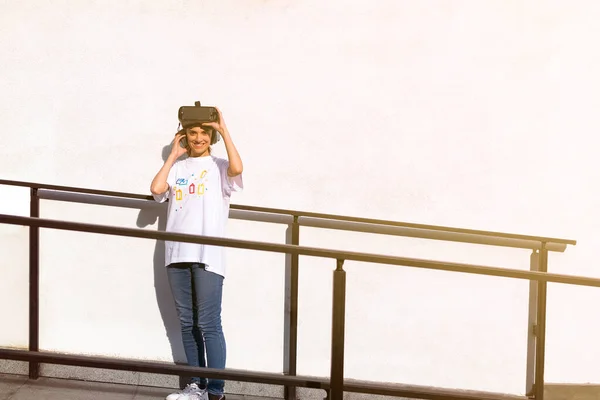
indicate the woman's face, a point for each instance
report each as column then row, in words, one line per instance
column 198, row 141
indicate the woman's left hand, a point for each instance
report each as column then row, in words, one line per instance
column 219, row 124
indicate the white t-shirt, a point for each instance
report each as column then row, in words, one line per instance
column 199, row 193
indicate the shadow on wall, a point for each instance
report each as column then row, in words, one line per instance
column 149, row 216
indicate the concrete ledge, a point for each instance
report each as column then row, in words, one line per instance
column 571, row 391
column 164, row 382
column 17, row 387
column 17, row 371
column 168, row 383
column 14, row 367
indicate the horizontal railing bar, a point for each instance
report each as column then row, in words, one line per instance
column 398, row 390
column 261, row 217
column 424, row 392
column 75, row 189
column 124, row 202
column 85, row 198
column 96, row 199
column 409, row 225
column 302, row 213
column 300, row 250
column 429, row 234
column 162, row 368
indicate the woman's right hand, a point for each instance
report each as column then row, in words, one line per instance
column 176, row 149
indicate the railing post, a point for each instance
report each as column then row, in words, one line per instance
column 532, row 326
column 540, row 350
column 337, row 333
column 34, row 282
column 290, row 329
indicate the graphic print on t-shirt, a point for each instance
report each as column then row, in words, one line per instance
column 202, row 209
column 183, row 187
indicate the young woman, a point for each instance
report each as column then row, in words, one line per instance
column 198, row 187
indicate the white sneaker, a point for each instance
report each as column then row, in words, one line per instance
column 190, row 392
column 201, row 395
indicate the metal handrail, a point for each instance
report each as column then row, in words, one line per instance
column 397, row 390
column 280, row 218
column 294, row 219
column 339, row 287
column 332, row 217
column 299, row 250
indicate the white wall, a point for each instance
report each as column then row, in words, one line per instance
column 465, row 113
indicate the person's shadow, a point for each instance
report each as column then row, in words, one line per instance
column 148, row 216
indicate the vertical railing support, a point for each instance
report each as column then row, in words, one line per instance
column 540, row 348
column 338, row 328
column 34, row 282
column 532, row 326
column 290, row 329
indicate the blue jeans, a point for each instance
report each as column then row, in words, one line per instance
column 198, row 294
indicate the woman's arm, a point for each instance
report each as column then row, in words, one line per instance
column 235, row 162
column 159, row 184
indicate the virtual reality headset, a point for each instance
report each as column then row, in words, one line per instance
column 196, row 115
